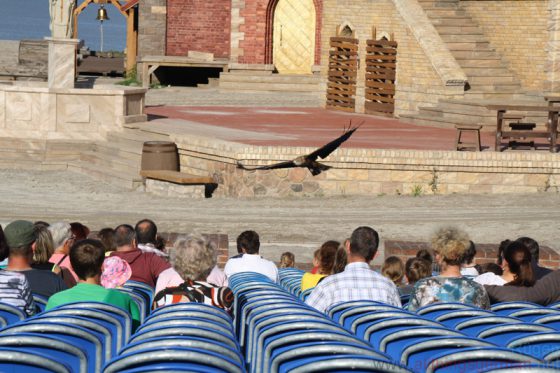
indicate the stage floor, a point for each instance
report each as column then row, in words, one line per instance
column 313, row 127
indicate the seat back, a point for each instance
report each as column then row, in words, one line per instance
column 13, row 359
column 11, row 314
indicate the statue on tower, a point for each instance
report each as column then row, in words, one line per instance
column 62, row 18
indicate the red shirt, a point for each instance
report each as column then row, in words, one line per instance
column 146, row 267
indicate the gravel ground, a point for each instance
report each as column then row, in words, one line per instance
column 298, row 224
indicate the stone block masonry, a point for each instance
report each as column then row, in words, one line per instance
column 198, row 25
column 152, row 20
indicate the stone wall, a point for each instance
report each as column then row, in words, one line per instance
column 518, row 29
column 152, row 25
column 418, row 84
column 368, row 171
column 37, row 112
column 198, row 25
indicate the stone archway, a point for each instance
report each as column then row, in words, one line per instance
column 292, row 35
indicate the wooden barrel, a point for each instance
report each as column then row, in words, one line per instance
column 160, row 155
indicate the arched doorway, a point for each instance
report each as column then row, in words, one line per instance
column 293, row 41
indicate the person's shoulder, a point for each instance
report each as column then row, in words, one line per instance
column 11, row 276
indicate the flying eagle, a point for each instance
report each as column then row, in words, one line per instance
column 310, row 160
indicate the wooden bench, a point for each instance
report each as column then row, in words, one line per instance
column 182, row 178
column 149, row 64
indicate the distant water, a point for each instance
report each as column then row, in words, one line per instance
column 29, row 19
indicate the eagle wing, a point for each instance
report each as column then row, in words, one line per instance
column 327, row 149
column 286, row 164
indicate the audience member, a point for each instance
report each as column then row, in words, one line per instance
column 340, row 259
column 248, row 243
column 393, row 269
column 325, row 264
column 87, row 258
column 469, row 268
column 491, row 267
column 42, row 282
column 534, row 249
column 415, row 269
column 63, row 239
column 517, row 269
column 500, row 253
column 44, row 249
column 450, row 246
column 14, row 286
column 40, row 223
column 3, row 249
column 146, row 266
column 358, row 281
column 217, row 277
column 315, row 261
column 114, row 272
column 194, row 258
column 107, row 238
column 426, row 255
column 287, row 260
column 146, row 237
column 80, row 231
column 545, row 291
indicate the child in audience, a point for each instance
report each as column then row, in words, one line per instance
column 469, row 268
column 87, row 258
column 393, row 269
column 415, row 269
column 116, row 272
column 325, row 264
column 287, row 260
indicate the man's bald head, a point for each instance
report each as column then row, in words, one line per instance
column 146, row 231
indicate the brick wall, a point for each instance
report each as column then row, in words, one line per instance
column 256, row 26
column 485, row 253
column 518, row 31
column 198, row 25
column 151, row 27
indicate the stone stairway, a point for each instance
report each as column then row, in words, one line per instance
column 117, row 160
column 489, row 77
column 267, row 81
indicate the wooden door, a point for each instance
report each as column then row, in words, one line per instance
column 294, row 36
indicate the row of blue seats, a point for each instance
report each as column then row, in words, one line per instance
column 277, row 332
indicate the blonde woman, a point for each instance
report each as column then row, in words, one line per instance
column 450, row 246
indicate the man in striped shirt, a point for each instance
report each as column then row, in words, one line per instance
column 358, row 281
column 14, row 288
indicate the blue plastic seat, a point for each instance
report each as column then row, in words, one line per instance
column 476, row 358
column 104, row 329
column 191, row 306
column 192, row 321
column 502, row 334
column 538, row 345
column 452, row 319
column 140, row 287
column 525, row 368
column 186, row 331
column 142, row 360
column 357, row 311
column 552, row 321
column 304, row 294
column 505, row 308
column 374, row 331
column 11, row 314
column 293, row 337
column 179, row 315
column 352, row 323
column 434, row 310
column 341, row 363
column 475, row 325
column 416, row 354
column 119, row 331
column 122, row 315
column 530, row 314
column 337, row 309
column 314, row 349
column 57, row 349
column 256, row 303
column 13, row 359
column 393, row 344
column 140, row 302
column 90, row 342
column 40, row 302
column 185, row 342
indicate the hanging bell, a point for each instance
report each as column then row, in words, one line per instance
column 102, row 14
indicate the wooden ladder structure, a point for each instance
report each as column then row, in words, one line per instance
column 381, row 72
column 343, row 73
